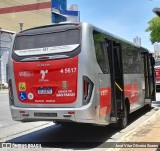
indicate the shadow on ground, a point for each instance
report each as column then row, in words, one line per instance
column 74, row 136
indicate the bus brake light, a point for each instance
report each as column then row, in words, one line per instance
column 87, row 90
column 10, row 91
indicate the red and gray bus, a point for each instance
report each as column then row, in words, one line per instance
column 157, row 70
column 78, row 73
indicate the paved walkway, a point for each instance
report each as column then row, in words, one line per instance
column 149, row 132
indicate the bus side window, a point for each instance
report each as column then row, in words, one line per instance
column 100, row 51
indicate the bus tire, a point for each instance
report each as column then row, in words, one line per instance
column 123, row 121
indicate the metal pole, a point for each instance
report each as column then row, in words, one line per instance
column 21, row 26
column 1, row 55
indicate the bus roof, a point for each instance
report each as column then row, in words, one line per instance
column 119, row 38
column 97, row 28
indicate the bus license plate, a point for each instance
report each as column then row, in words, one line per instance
column 45, row 91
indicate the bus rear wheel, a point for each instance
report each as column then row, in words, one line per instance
column 123, row 121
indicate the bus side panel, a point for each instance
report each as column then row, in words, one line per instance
column 157, row 70
column 104, row 98
column 134, row 90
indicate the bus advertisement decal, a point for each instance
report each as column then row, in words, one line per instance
column 45, row 84
column 105, row 100
column 131, row 91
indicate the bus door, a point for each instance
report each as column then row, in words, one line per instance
column 117, row 84
column 149, row 76
column 152, row 77
column 146, row 75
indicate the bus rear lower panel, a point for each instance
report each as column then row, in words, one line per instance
column 79, row 115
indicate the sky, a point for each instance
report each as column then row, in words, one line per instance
column 124, row 18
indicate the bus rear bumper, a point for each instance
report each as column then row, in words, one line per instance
column 81, row 115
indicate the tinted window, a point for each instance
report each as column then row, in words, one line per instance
column 100, row 52
column 68, row 37
column 132, row 59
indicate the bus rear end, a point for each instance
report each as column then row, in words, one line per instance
column 44, row 83
column 157, row 70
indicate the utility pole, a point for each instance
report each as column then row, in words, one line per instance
column 21, row 26
column 1, row 55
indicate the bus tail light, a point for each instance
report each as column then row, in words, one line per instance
column 10, row 92
column 87, row 90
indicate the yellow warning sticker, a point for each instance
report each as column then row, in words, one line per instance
column 22, row 86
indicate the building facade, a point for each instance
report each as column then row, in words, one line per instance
column 57, row 6
column 62, row 13
column 5, row 44
column 137, row 41
column 33, row 13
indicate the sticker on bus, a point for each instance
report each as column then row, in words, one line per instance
column 22, row 86
column 30, row 96
column 22, row 96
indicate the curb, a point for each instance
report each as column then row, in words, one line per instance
column 122, row 139
column 132, row 131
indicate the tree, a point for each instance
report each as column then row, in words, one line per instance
column 154, row 29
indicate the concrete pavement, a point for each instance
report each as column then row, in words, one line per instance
column 149, row 131
column 3, row 91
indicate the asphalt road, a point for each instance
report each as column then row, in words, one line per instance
column 36, row 132
column 5, row 115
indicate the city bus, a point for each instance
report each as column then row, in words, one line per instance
column 157, row 70
column 76, row 72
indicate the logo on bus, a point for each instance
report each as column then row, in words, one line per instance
column 104, row 92
column 43, row 65
column 43, row 72
column 64, row 85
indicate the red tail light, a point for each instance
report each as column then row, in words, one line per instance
column 10, row 92
column 87, row 90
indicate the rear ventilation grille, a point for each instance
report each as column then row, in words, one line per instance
column 45, row 114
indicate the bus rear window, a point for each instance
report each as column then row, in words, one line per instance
column 55, row 42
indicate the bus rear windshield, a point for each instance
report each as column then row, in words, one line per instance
column 55, row 42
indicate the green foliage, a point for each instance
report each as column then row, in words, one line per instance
column 154, row 29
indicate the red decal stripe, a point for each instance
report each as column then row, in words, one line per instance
column 28, row 7
column 105, row 100
column 131, row 91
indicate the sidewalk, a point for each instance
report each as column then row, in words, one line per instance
column 3, row 91
column 149, row 131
